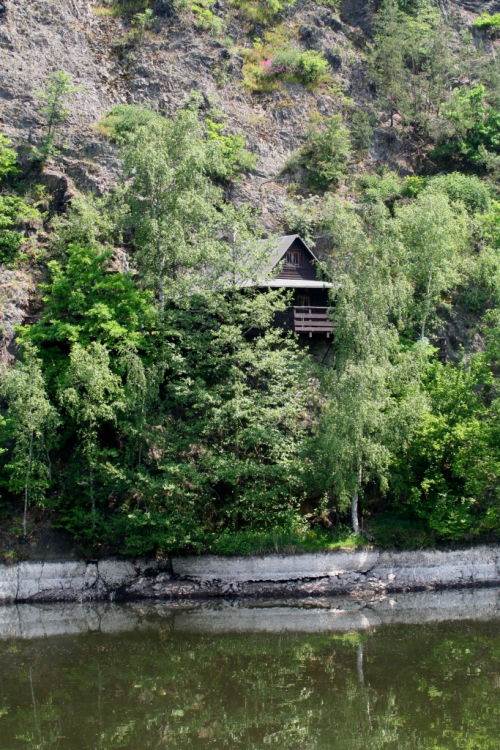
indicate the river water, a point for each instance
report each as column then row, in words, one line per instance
column 412, row 672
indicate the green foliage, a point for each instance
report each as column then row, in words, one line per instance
column 91, row 395
column 124, row 119
column 286, row 542
column 488, row 22
column 308, row 67
column 205, row 19
column 411, row 60
column 142, row 21
column 263, row 12
column 86, row 303
column 226, row 154
column 8, row 158
column 373, row 395
column 15, row 214
column 436, row 235
column 474, row 193
column 31, row 424
column 380, row 189
column 474, row 140
column 449, row 475
column 361, row 131
column 326, row 153
column 53, row 99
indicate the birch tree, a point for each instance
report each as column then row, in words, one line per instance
column 372, row 393
column 435, row 234
column 33, row 421
column 92, row 396
column 173, row 204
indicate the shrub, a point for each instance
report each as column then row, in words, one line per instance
column 468, row 189
column 475, row 131
column 380, row 189
column 124, row 119
column 312, row 66
column 8, row 158
column 15, row 214
column 326, row 153
column 205, row 19
column 488, row 22
column 227, row 155
column 261, row 11
column 307, row 67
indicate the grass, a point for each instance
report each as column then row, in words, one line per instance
column 121, row 7
column 264, row 542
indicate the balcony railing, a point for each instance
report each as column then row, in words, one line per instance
column 312, row 320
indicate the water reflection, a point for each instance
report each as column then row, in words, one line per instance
column 336, row 675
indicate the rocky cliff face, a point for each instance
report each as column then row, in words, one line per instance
column 166, row 63
column 159, row 68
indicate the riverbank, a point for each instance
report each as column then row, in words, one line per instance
column 362, row 572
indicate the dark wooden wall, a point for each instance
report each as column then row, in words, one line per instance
column 319, row 297
column 305, row 271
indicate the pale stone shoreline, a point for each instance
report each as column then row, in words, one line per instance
column 361, row 572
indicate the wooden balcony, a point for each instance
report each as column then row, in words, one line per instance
column 312, row 320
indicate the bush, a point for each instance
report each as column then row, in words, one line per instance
column 8, row 158
column 380, row 189
column 475, row 132
column 326, row 153
column 205, row 19
column 468, row 189
column 262, row 11
column 486, row 21
column 227, row 154
column 15, row 214
column 307, row 67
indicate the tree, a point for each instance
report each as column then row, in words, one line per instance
column 411, row 60
column 53, row 99
column 86, row 303
column 173, row 203
column 388, row 59
column 372, row 411
column 92, row 395
column 372, row 394
column 33, row 422
column 326, row 153
column 435, row 234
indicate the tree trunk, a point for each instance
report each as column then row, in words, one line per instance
column 355, row 501
column 92, row 498
column 26, row 490
column 427, row 306
column 354, row 511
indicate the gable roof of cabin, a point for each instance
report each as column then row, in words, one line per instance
column 283, row 244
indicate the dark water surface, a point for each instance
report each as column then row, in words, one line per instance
column 411, row 672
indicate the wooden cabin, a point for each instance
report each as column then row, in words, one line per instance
column 297, row 270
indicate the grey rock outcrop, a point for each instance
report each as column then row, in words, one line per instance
column 164, row 9
column 365, row 572
column 15, row 288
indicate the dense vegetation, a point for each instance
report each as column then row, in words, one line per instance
column 158, row 409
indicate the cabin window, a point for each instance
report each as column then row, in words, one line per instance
column 293, row 258
column 303, row 300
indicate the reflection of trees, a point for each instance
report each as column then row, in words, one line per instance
column 400, row 688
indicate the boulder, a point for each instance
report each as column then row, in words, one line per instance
column 163, row 8
column 60, row 187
